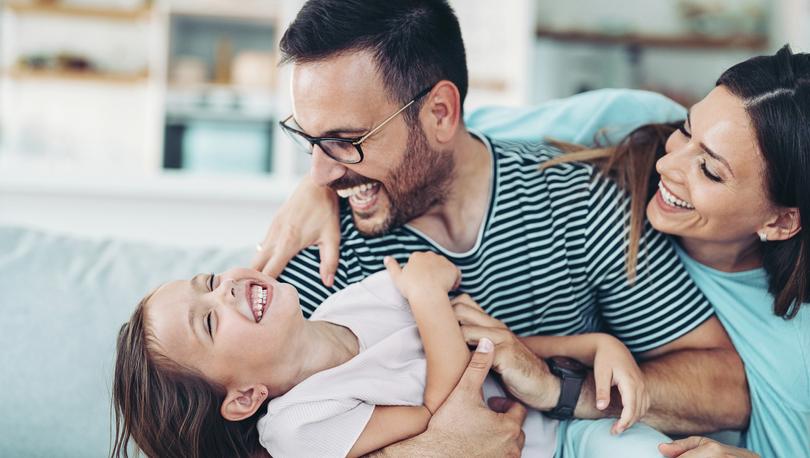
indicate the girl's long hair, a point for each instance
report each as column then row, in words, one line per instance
column 170, row 411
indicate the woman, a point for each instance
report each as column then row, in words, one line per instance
column 732, row 184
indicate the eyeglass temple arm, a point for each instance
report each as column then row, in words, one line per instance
column 380, row 125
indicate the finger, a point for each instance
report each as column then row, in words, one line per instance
column 329, row 253
column 466, row 314
column 517, row 412
column 628, row 411
column 467, row 299
column 457, row 283
column 500, row 404
column 678, row 447
column 263, row 251
column 393, row 268
column 602, row 378
column 473, row 334
column 473, row 378
column 278, row 261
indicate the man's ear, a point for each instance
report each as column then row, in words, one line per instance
column 784, row 225
column 242, row 403
column 444, row 111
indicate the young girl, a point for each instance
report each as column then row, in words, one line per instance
column 226, row 365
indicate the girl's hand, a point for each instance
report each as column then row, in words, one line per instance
column 309, row 217
column 702, row 447
column 423, row 271
column 614, row 365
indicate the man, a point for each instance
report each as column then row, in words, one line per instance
column 378, row 91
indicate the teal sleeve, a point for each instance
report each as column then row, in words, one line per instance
column 578, row 118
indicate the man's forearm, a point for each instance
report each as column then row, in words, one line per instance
column 423, row 445
column 691, row 392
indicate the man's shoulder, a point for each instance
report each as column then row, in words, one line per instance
column 524, row 161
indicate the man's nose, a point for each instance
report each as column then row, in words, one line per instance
column 324, row 169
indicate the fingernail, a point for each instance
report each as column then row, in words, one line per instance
column 330, row 280
column 387, row 259
column 484, row 346
column 601, row 404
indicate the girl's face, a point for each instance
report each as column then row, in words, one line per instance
column 712, row 184
column 221, row 326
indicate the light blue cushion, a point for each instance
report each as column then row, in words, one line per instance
column 62, row 301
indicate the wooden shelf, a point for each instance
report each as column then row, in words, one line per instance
column 748, row 42
column 76, row 75
column 56, row 8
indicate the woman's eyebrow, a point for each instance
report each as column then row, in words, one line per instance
column 706, row 148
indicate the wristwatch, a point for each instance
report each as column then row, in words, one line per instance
column 572, row 374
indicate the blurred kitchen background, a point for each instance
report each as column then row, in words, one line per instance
column 157, row 119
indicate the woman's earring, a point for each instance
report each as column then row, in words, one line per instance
column 763, row 237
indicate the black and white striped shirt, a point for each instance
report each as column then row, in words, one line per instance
column 549, row 258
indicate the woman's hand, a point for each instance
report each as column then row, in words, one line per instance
column 423, row 271
column 702, row 447
column 309, row 217
column 614, row 365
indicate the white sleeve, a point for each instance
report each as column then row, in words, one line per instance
column 314, row 429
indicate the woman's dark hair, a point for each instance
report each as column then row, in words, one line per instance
column 776, row 93
column 170, row 411
column 415, row 43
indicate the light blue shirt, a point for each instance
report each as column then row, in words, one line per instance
column 776, row 354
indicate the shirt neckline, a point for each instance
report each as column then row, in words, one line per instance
column 491, row 206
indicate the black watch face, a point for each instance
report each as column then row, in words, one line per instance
column 568, row 364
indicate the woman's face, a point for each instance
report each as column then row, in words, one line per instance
column 212, row 323
column 712, row 184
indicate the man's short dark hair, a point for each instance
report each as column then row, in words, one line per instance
column 415, row 43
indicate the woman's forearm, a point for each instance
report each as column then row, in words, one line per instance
column 446, row 352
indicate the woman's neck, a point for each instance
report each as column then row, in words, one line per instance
column 735, row 256
column 320, row 346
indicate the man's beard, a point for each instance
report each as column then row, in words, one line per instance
column 420, row 182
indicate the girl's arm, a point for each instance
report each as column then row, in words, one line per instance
column 581, row 347
column 425, row 282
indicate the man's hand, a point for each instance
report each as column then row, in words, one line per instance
column 464, row 426
column 309, row 217
column 523, row 374
column 475, row 429
column 702, row 447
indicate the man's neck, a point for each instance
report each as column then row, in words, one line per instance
column 455, row 223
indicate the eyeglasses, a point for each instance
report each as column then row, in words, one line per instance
column 342, row 149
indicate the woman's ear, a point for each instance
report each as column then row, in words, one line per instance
column 784, row 225
column 241, row 404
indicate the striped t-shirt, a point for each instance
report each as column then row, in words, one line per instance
column 548, row 260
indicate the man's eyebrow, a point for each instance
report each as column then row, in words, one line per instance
column 345, row 131
column 708, row 150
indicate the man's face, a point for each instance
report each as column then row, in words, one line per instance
column 401, row 176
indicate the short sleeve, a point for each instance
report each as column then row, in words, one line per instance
column 577, row 119
column 314, row 429
column 663, row 303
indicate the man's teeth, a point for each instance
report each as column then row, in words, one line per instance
column 259, row 299
column 348, row 192
column 672, row 200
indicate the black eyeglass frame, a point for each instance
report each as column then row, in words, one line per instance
column 354, row 141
